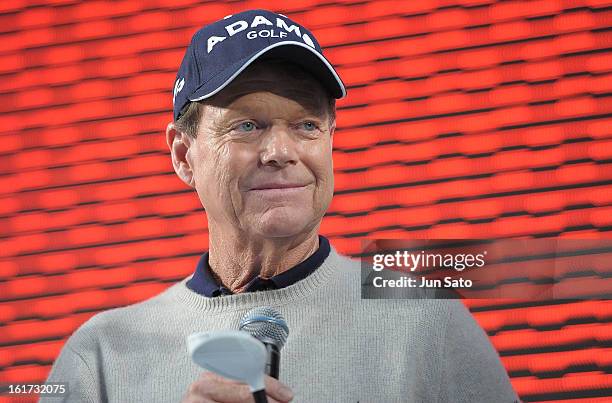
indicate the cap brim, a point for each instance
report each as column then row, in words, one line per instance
column 295, row 52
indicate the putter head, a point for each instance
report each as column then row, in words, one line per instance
column 230, row 353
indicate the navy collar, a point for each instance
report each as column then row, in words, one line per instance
column 204, row 283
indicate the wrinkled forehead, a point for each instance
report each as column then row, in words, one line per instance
column 278, row 77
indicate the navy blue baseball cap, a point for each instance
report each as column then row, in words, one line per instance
column 219, row 52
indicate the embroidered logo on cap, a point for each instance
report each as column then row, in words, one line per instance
column 178, row 86
column 281, row 30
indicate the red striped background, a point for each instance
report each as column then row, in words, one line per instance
column 465, row 119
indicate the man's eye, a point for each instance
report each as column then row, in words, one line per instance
column 246, row 126
column 309, row 126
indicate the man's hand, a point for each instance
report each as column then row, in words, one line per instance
column 210, row 387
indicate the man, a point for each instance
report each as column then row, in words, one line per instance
column 254, row 118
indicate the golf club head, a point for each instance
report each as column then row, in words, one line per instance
column 230, row 353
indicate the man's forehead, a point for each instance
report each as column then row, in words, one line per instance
column 267, row 104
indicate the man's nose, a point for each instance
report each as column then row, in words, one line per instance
column 278, row 147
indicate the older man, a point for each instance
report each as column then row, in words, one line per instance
column 254, row 118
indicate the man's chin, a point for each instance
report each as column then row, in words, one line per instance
column 283, row 223
column 281, row 231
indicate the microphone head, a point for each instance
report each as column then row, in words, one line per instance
column 266, row 325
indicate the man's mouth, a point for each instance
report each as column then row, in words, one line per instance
column 272, row 186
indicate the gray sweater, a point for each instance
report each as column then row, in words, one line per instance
column 341, row 348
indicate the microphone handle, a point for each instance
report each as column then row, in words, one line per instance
column 260, row 396
column 272, row 360
column 272, row 368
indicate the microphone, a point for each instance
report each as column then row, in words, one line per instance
column 268, row 326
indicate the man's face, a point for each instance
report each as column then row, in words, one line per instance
column 262, row 159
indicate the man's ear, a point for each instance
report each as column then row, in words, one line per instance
column 179, row 143
column 332, row 130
